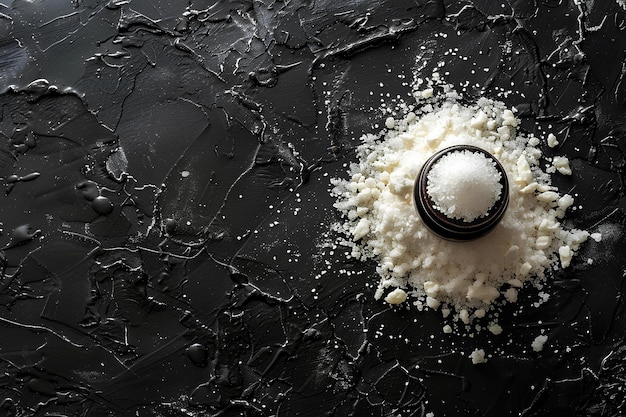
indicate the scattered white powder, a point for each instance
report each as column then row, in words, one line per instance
column 538, row 343
column 464, row 185
column 478, row 356
column 381, row 222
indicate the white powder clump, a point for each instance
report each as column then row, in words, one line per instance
column 478, row 356
column 565, row 255
column 552, row 140
column 511, row 295
column 381, row 223
column 428, row 93
column 495, row 329
column 464, row 185
column 538, row 343
column 561, row 163
column 397, row 296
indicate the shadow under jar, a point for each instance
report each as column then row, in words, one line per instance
column 458, row 229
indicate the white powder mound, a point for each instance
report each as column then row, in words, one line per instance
column 381, row 222
column 464, row 185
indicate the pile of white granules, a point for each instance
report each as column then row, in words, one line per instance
column 463, row 278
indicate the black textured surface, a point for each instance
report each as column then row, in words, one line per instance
column 166, row 167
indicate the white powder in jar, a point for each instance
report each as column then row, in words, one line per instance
column 464, row 185
column 467, row 277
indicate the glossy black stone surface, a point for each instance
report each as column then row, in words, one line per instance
column 166, row 169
